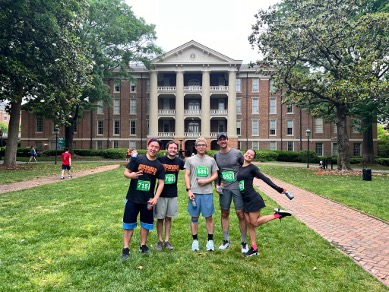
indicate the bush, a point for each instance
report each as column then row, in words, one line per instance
column 355, row 160
column 383, row 161
column 303, row 156
column 288, row 156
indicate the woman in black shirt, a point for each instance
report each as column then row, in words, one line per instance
column 252, row 200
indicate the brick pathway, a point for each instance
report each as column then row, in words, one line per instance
column 362, row 237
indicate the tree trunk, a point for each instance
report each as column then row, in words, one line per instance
column 13, row 133
column 69, row 131
column 367, row 146
column 343, row 140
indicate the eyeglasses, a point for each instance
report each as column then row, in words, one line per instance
column 201, row 145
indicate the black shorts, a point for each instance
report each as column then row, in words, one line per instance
column 253, row 204
column 130, row 217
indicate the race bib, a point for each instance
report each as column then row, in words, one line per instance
column 170, row 178
column 143, row 185
column 228, row 176
column 241, row 185
column 202, row 171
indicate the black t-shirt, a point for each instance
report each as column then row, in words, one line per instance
column 142, row 189
column 172, row 168
column 245, row 178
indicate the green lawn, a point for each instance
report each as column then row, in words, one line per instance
column 67, row 236
column 370, row 197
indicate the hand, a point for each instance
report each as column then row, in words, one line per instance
column 191, row 196
column 137, row 174
column 201, row 182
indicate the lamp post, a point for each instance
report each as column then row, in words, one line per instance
column 56, row 131
column 181, row 156
column 1, row 141
column 308, row 134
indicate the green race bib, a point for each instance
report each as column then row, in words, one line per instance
column 228, row 176
column 170, row 178
column 202, row 171
column 143, row 185
column 241, row 185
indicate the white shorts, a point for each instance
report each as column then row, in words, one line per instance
column 166, row 207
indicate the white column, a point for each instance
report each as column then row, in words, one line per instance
column 205, row 105
column 153, row 110
column 231, row 117
column 180, row 116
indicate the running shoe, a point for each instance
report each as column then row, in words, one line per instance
column 195, row 245
column 168, row 245
column 125, row 253
column 225, row 245
column 144, row 249
column 251, row 252
column 210, row 245
column 245, row 247
column 282, row 213
column 159, row 246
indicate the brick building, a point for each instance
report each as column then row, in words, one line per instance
column 194, row 91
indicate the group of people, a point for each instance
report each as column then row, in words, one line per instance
column 153, row 192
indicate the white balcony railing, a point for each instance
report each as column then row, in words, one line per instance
column 166, row 89
column 194, row 88
column 166, row 134
column 170, row 112
column 192, row 113
column 192, row 134
column 218, row 112
column 219, row 88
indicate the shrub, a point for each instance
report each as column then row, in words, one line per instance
column 288, row 156
column 383, row 161
column 303, row 156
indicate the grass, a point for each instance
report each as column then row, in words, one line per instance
column 67, row 236
column 370, row 197
column 34, row 170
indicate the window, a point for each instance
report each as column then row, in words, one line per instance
column 255, row 85
column 334, row 149
column 100, row 127
column 273, row 106
column 319, row 149
column 335, row 129
column 166, row 104
column 99, row 145
column 319, row 125
column 39, row 124
column 166, row 126
column 132, row 145
column 100, row 107
column 116, row 127
column 193, row 127
column 255, row 106
column 289, row 127
column 115, row 144
column 238, row 85
column 194, row 105
column 272, row 127
column 272, row 145
column 238, row 105
column 255, row 145
column 133, row 86
column 132, row 106
column 357, row 149
column 289, row 109
column 238, row 127
column 132, row 127
column 116, row 86
column 116, row 106
column 255, row 127
column 290, row 146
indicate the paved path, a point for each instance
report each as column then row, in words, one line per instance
column 362, row 237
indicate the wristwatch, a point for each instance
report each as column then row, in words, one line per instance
column 187, row 189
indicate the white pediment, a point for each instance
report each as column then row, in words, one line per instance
column 192, row 53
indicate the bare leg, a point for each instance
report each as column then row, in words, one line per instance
column 168, row 227
column 209, row 224
column 159, row 229
column 143, row 235
column 194, row 225
column 242, row 222
column 127, row 235
column 225, row 214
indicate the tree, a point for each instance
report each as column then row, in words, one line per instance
column 115, row 37
column 41, row 59
column 327, row 54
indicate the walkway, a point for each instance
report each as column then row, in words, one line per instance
column 362, row 237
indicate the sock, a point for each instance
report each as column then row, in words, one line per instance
column 243, row 237
column 277, row 216
column 194, row 236
column 210, row 236
column 226, row 235
column 254, row 246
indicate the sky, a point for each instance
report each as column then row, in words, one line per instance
column 222, row 25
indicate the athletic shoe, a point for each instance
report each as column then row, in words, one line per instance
column 251, row 252
column 168, row 245
column 225, row 245
column 245, row 247
column 210, row 245
column 69, row 176
column 62, row 177
column 282, row 213
column 195, row 245
column 159, row 246
column 144, row 249
column 125, row 253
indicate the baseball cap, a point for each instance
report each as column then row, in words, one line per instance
column 222, row 135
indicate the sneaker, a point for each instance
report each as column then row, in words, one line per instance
column 168, row 245
column 62, row 177
column 69, row 176
column 159, row 246
column 125, row 253
column 245, row 247
column 144, row 249
column 225, row 245
column 251, row 252
column 282, row 213
column 195, row 245
column 210, row 245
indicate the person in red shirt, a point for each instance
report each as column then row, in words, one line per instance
column 66, row 163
